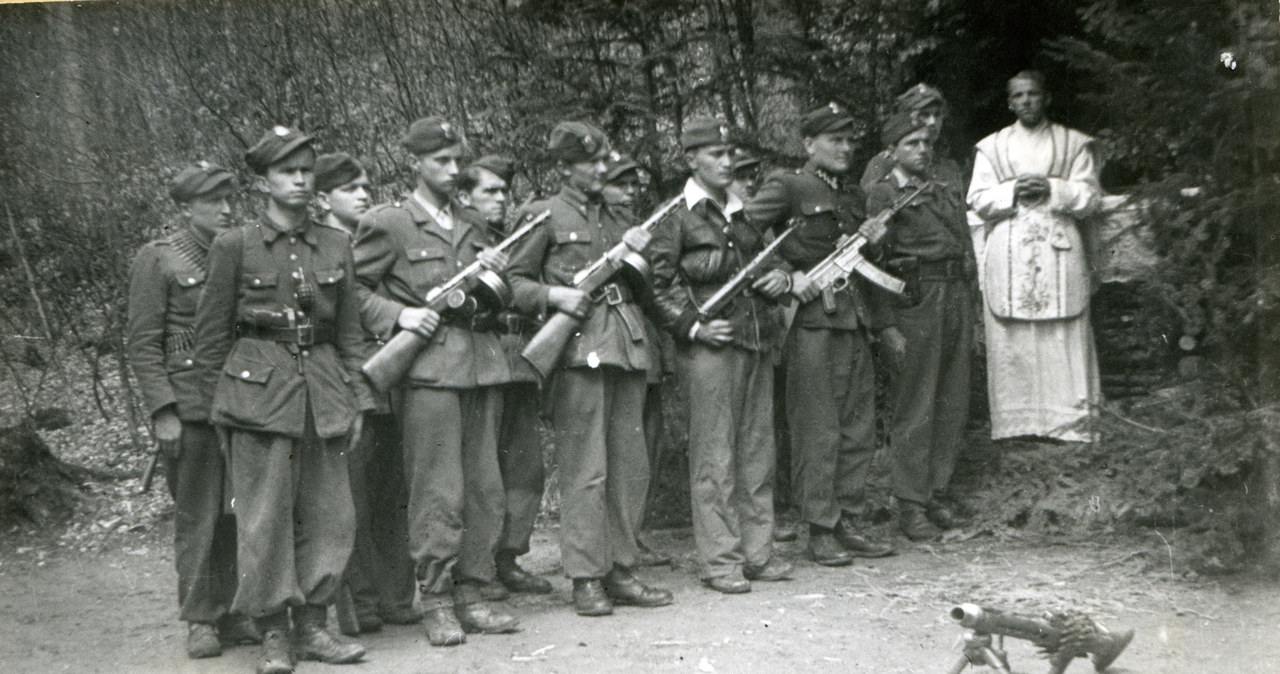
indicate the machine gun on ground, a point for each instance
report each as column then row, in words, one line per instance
column 1063, row 637
column 741, row 280
column 459, row 296
column 543, row 351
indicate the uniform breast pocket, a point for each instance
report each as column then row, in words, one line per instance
column 259, row 286
column 328, row 281
column 429, row 267
column 572, row 252
column 189, row 284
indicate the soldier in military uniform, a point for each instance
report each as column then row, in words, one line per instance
column 726, row 364
column 449, row 402
column 483, row 191
column 598, row 394
column 926, row 106
column 279, row 348
column 379, row 576
column 164, row 285
column 832, row 415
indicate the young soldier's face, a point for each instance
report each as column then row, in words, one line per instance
column 210, row 213
column 831, row 151
column 1028, row 101
column 438, row 171
column 349, row 201
column 488, row 197
column 712, row 165
column 745, row 181
column 623, row 190
column 291, row 182
column 586, row 176
column 931, row 116
column 914, row 151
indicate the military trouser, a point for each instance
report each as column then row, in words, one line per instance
column 930, row 394
column 380, row 573
column 294, row 519
column 731, row 455
column 456, row 504
column 831, row 410
column 520, row 460
column 204, row 538
column 603, row 467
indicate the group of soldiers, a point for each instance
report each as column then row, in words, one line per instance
column 297, row 480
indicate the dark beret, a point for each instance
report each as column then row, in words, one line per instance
column 701, row 131
column 618, row 164
column 430, row 134
column 499, row 166
column 275, row 145
column 898, row 126
column 828, row 118
column 197, row 180
column 572, row 142
column 335, row 170
column 918, row 97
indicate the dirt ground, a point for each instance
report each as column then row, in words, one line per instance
column 114, row 611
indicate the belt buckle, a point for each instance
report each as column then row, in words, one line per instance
column 613, row 294
column 306, row 335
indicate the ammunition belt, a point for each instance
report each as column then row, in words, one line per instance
column 302, row 335
column 179, row 340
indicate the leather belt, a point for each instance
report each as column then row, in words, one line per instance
column 303, row 335
column 613, row 294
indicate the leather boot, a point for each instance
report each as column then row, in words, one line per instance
column 914, row 522
column 312, row 639
column 946, row 516
column 439, row 621
column 773, row 570
column 235, row 629
column 517, row 579
column 476, row 615
column 825, row 550
column 732, row 583
column 202, row 641
column 277, row 656
column 589, row 598
column 624, row 588
column 860, row 545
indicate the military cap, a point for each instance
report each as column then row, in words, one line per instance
column 830, row 117
column 572, row 142
column 430, row 134
column 918, row 97
column 197, row 180
column 703, row 131
column 499, row 166
column 897, row 127
column 744, row 158
column 335, row 170
column 617, row 164
column 276, row 144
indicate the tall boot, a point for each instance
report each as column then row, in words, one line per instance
column 312, row 639
column 277, row 657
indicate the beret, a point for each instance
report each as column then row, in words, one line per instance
column 917, row 97
column 335, row 170
column 617, row 164
column 430, row 134
column 898, row 126
column 572, row 142
column 830, row 117
column 701, row 131
column 199, row 179
column 499, row 166
column 276, row 144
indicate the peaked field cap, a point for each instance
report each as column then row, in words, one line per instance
column 576, row 141
column 275, row 145
column 500, row 166
column 197, row 180
column 335, row 170
column 830, row 117
column 917, row 97
column 702, row 131
column 430, row 134
column 898, row 126
column 743, row 158
column 618, row 164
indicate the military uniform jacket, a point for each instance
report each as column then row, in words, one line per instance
column 401, row 253
column 164, row 287
column 932, row 227
column 516, row 327
column 258, row 384
column 827, row 209
column 696, row 251
column 579, row 232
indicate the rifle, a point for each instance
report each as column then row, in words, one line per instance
column 832, row 274
column 455, row 297
column 1063, row 637
column 741, row 280
column 543, row 351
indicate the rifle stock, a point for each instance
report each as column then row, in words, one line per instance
column 543, row 351
column 150, row 473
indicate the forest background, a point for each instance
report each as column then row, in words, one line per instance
column 102, row 103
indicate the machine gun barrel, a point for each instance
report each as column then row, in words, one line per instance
column 738, row 284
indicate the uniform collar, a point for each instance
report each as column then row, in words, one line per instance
column 903, row 179
column 439, row 215
column 832, row 180
column 271, row 231
column 695, row 193
column 428, row 223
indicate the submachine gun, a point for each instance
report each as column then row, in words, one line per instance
column 461, row 295
column 742, row 280
column 832, row 274
column 543, row 351
column 1062, row 637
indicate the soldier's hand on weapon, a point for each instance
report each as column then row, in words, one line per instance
column 874, row 229
column 168, row 432
column 803, row 287
column 773, row 284
column 421, row 320
column 494, row 260
column 714, row 333
column 895, row 345
column 569, row 300
column 637, row 238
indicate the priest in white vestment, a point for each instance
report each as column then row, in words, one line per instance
column 1034, row 184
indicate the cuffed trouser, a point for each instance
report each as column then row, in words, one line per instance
column 456, row 504
column 520, row 461
column 294, row 519
column 604, row 470
column 204, row 538
column 831, row 410
column 380, row 573
column 930, row 394
column 731, row 455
